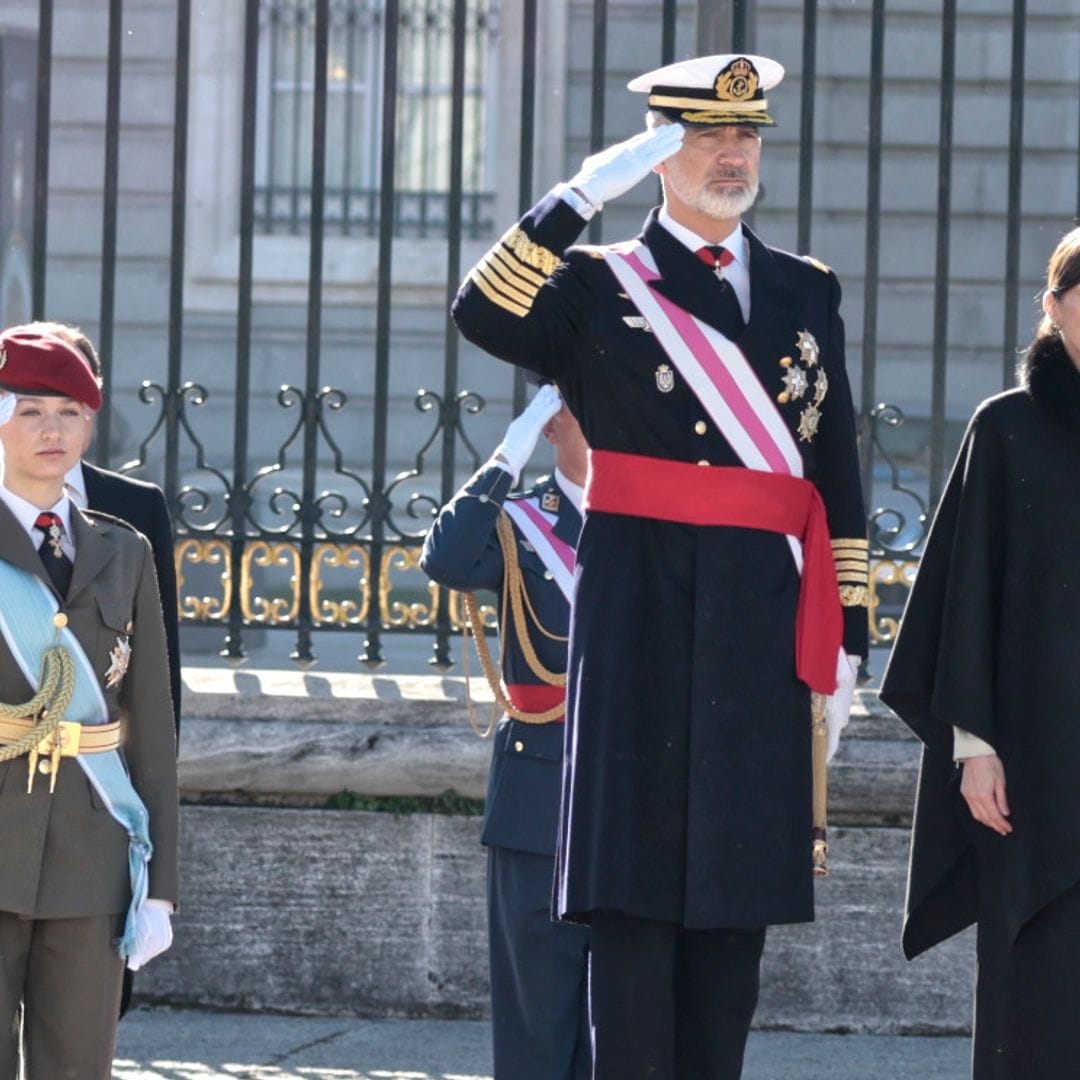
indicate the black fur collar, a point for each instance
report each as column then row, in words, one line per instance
column 1052, row 379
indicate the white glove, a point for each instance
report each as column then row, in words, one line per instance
column 153, row 932
column 521, row 436
column 607, row 174
column 838, row 704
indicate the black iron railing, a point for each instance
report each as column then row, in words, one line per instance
column 312, row 539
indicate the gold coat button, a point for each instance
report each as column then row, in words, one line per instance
column 44, row 767
column 703, row 462
column 59, row 620
column 701, row 427
column 518, row 746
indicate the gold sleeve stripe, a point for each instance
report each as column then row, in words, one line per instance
column 524, row 299
column 852, row 577
column 509, row 283
column 851, row 542
column 540, row 258
column 496, row 297
column 854, row 596
column 513, row 265
column 844, row 566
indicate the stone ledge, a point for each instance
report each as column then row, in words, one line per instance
column 291, row 734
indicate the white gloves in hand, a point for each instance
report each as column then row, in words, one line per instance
column 524, row 430
column 153, row 932
column 838, row 704
column 608, row 173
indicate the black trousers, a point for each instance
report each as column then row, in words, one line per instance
column 539, row 1011
column 1027, row 1022
column 668, row 1003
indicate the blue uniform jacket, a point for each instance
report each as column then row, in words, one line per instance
column 462, row 552
column 688, row 791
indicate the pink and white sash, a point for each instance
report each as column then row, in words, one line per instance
column 715, row 369
column 538, row 528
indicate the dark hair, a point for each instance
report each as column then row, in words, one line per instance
column 1062, row 274
column 73, row 336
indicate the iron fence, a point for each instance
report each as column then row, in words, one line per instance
column 324, row 149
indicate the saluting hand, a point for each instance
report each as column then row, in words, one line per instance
column 983, row 788
column 524, row 431
column 607, row 174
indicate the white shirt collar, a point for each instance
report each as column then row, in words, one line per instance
column 75, row 485
column 574, row 492
column 26, row 513
column 735, row 241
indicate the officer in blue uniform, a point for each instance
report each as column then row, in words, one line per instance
column 707, row 371
column 538, row 968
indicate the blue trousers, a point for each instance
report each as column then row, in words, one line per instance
column 539, row 1006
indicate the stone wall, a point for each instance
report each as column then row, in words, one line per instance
column 308, row 910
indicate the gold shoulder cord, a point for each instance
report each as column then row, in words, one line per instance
column 50, row 702
column 514, row 591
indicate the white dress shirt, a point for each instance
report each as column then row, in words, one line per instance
column 736, row 273
column 26, row 513
column 574, row 492
column 75, row 485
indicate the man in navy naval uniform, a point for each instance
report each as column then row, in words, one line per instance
column 721, row 591
column 521, row 546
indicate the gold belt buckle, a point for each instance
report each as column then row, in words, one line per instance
column 63, row 742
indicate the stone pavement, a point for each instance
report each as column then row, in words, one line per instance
column 168, row 1044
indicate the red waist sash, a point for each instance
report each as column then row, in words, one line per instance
column 535, row 697
column 747, row 498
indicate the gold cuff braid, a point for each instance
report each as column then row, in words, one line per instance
column 854, row 596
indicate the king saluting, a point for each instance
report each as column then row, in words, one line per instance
column 721, row 589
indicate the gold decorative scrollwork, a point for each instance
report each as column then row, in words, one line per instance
column 340, row 557
column 404, row 613
column 888, row 572
column 193, row 552
column 270, row 610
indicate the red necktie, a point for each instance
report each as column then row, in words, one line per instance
column 715, row 256
column 52, row 554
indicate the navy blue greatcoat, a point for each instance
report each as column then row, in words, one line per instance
column 538, row 969
column 687, row 795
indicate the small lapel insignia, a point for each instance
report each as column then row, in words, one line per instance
column 119, row 659
column 549, row 501
column 637, row 322
column 665, row 379
column 808, row 348
column 808, row 422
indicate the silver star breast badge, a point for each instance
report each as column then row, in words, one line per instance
column 119, row 659
column 808, row 348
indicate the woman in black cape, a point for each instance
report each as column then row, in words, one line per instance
column 986, row 671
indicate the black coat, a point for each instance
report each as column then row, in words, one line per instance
column 142, row 505
column 462, row 551
column 687, row 797
column 989, row 642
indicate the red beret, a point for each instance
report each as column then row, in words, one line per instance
column 41, row 365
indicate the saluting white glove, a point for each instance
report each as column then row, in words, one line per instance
column 838, row 703
column 521, row 436
column 153, row 932
column 608, row 173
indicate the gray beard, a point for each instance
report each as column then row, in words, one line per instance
column 722, row 205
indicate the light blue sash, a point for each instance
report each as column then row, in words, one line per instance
column 26, row 621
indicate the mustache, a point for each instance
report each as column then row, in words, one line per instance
column 730, row 173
